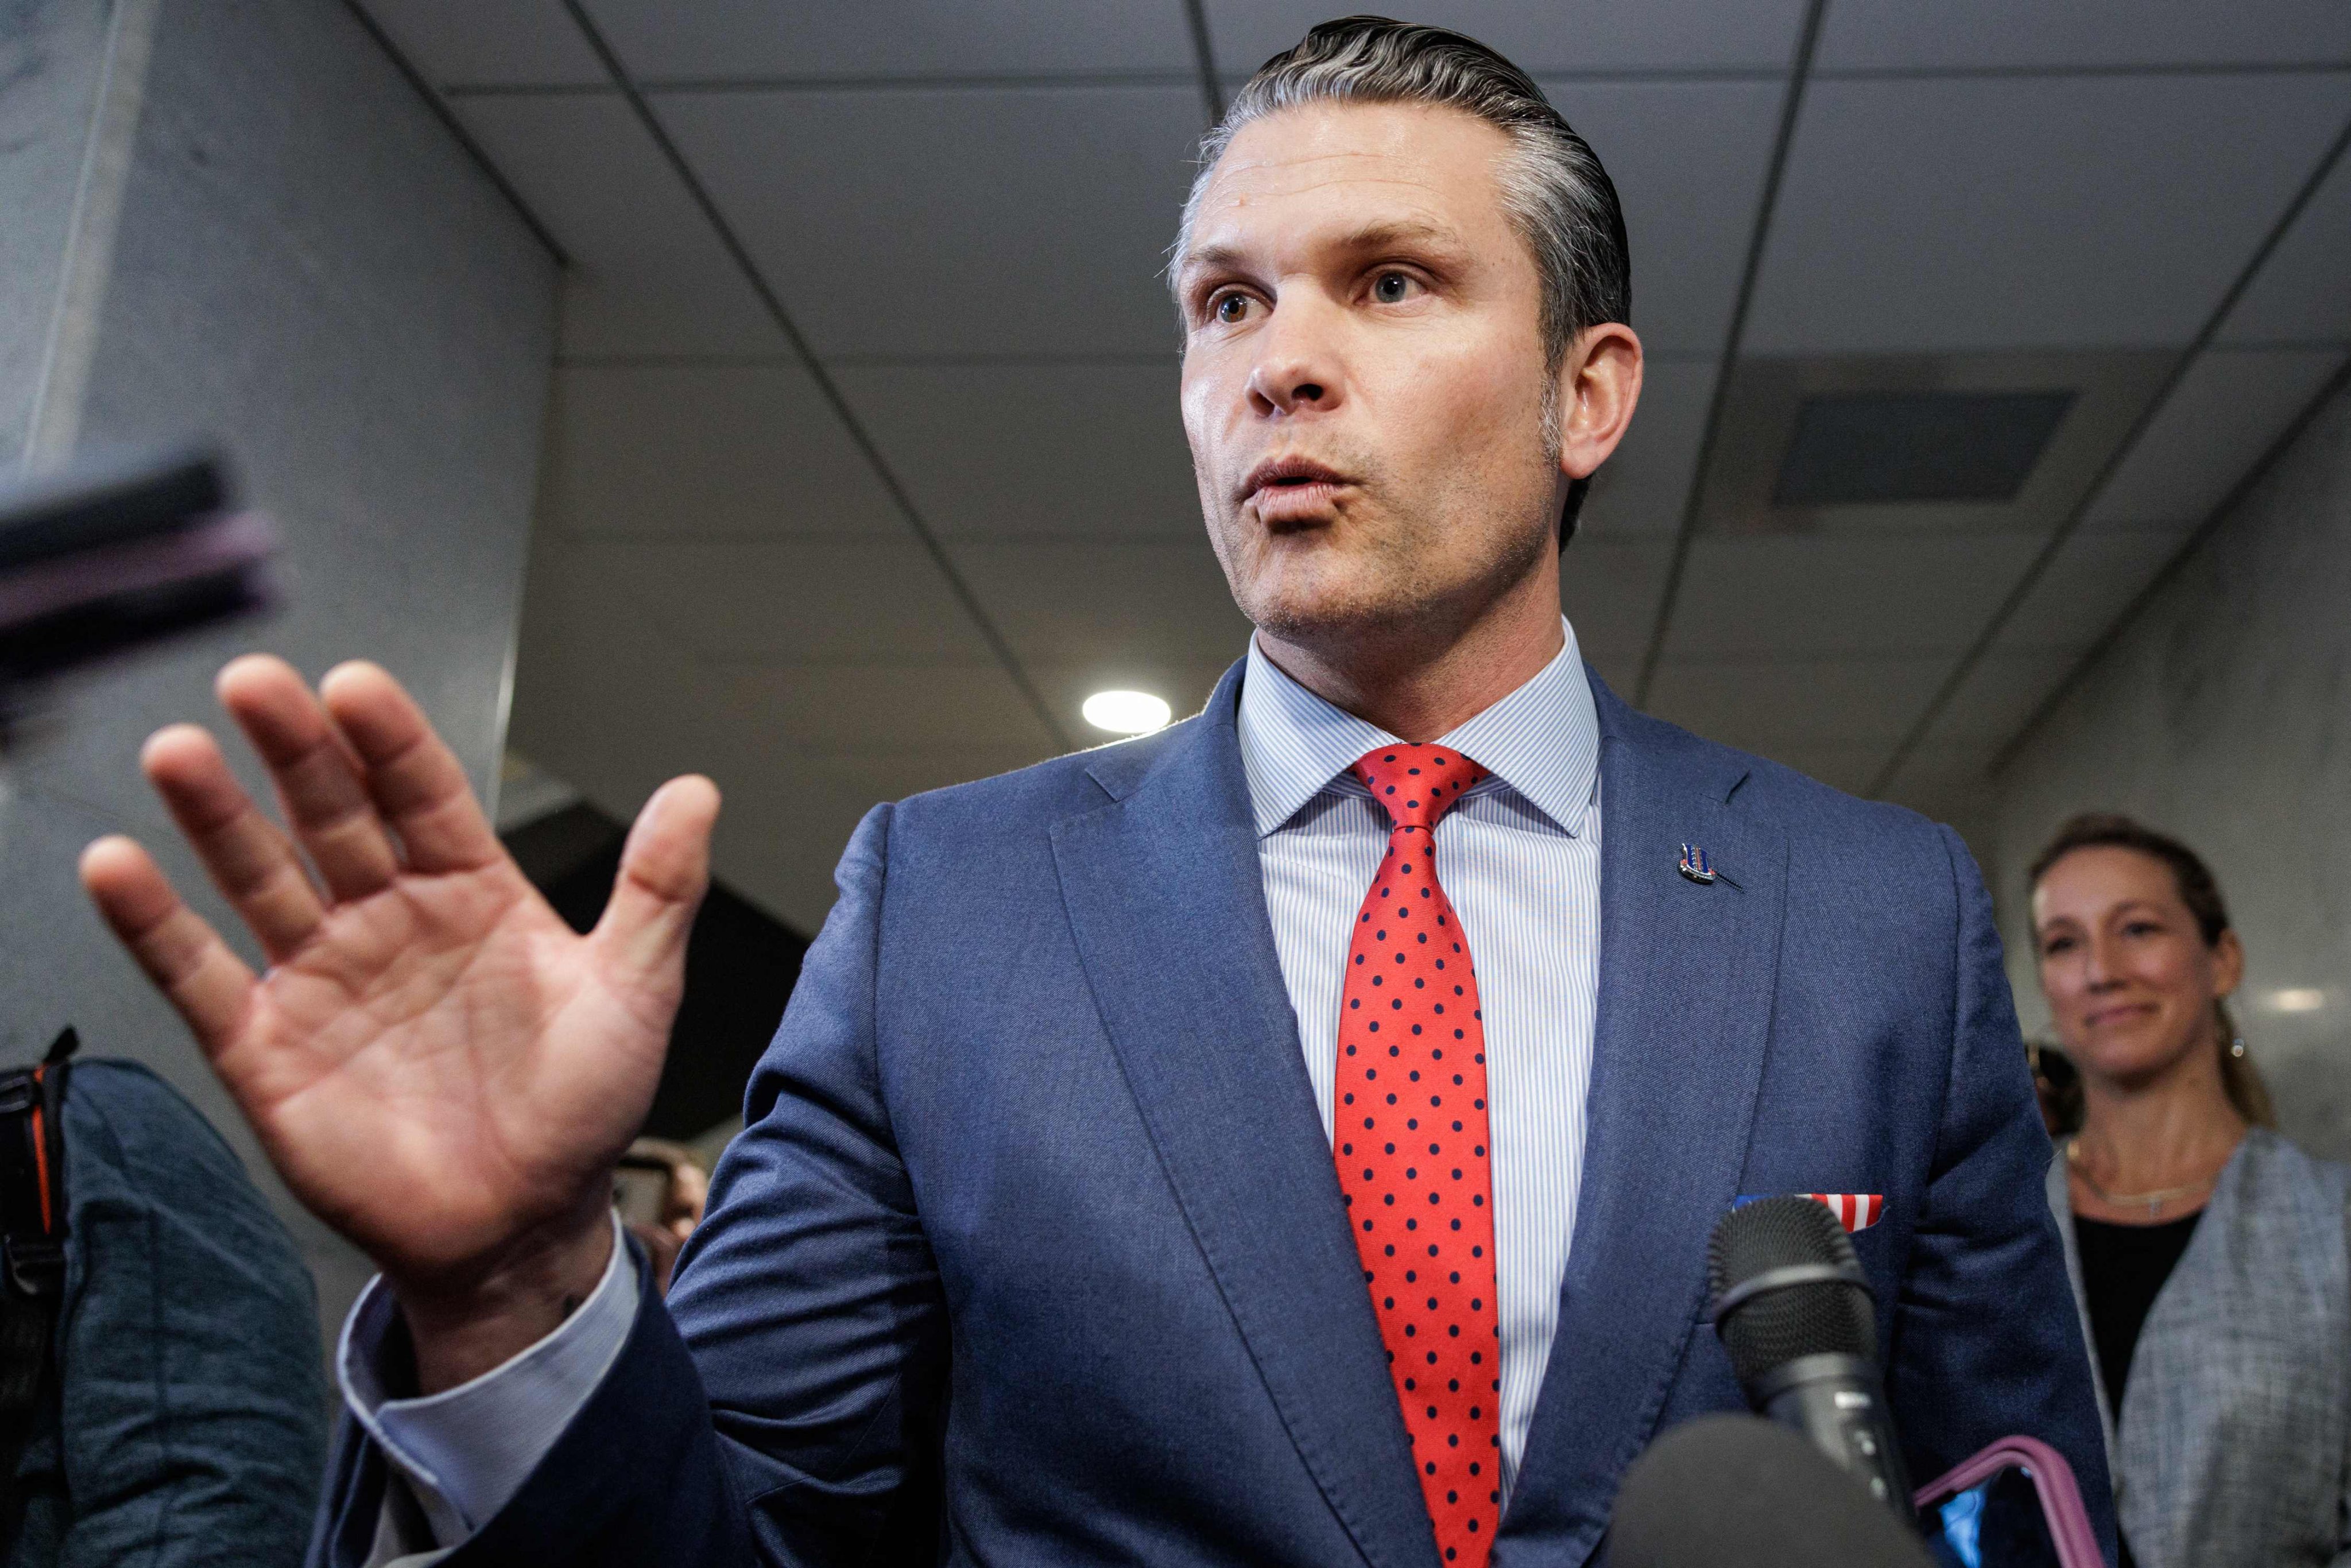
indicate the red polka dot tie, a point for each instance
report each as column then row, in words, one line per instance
column 1411, row 1142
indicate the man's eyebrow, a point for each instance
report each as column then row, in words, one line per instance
column 1210, row 258
column 1401, row 233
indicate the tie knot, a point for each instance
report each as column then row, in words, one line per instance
column 1417, row 784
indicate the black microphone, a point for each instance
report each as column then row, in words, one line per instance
column 1796, row 1314
column 1731, row 1492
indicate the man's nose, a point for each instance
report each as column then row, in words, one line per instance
column 1296, row 368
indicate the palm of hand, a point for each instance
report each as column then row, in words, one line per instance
column 437, row 1067
column 440, row 1068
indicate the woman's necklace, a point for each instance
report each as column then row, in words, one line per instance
column 2153, row 1200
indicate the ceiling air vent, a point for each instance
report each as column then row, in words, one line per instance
column 1870, row 448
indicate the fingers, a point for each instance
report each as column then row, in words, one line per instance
column 189, row 963
column 317, row 776
column 250, row 859
column 414, row 779
column 665, row 869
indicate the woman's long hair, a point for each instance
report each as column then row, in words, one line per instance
column 2198, row 890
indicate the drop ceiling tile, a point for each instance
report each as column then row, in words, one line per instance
column 740, row 40
column 1849, row 766
column 965, row 221
column 797, row 600
column 780, row 834
column 705, row 451
column 1609, row 589
column 2093, row 577
column 1069, row 450
column 1106, row 604
column 1758, row 704
column 649, row 275
column 2009, row 33
column 1643, row 487
column 894, row 776
column 770, row 774
column 1549, row 35
column 605, row 698
column 609, row 699
column 1688, row 160
column 2301, row 294
column 789, row 813
column 464, row 42
column 2037, row 212
column 1800, row 595
column 1950, row 784
column 2225, row 412
column 880, row 708
column 1996, row 698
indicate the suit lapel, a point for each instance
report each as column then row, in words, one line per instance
column 1687, row 975
column 1167, row 905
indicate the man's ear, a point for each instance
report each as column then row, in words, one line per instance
column 1599, row 384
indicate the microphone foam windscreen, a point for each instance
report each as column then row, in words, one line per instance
column 1777, row 1326
column 1737, row 1491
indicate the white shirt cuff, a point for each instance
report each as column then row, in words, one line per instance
column 467, row 1450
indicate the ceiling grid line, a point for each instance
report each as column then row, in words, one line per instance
column 976, row 81
column 2177, row 562
column 2205, row 335
column 1677, row 76
column 1783, row 137
column 630, row 359
column 1998, row 73
column 438, row 103
column 826, row 386
column 1204, row 53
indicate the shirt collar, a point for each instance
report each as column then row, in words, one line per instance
column 1542, row 740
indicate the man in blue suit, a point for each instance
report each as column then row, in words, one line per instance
column 1074, row 1219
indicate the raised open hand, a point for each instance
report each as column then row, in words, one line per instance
column 440, row 1068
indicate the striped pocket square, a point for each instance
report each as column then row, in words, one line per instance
column 1855, row 1210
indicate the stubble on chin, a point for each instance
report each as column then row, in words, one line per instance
column 1327, row 593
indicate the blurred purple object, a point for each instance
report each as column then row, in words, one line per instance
column 121, row 551
column 232, row 545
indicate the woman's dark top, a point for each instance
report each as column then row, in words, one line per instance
column 2123, row 1266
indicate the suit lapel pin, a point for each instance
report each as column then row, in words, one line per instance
column 1695, row 866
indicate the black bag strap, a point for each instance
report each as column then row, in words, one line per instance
column 32, row 1251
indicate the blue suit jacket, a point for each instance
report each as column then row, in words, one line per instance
column 1033, row 1250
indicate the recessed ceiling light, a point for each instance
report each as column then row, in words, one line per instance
column 1126, row 713
column 2297, row 999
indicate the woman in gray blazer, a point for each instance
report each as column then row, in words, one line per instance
column 2209, row 1254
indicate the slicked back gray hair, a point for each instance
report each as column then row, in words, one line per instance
column 1557, row 195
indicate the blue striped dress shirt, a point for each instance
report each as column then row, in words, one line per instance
column 1520, row 857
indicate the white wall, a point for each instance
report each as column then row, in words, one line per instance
column 310, row 267
column 52, row 56
column 2223, row 716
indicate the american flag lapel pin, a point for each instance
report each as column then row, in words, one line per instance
column 1695, row 864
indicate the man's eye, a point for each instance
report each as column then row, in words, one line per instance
column 1231, row 308
column 1391, row 288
